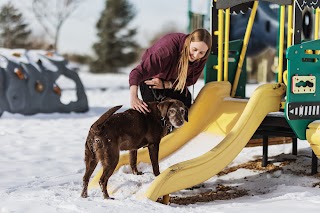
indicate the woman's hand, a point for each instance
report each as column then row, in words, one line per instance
column 155, row 83
column 139, row 105
column 135, row 102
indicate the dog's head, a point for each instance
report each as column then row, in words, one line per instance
column 175, row 112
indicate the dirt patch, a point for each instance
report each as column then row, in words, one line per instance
column 257, row 166
column 222, row 192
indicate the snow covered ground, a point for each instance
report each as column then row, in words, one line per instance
column 41, row 161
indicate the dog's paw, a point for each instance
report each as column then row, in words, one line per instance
column 139, row 173
column 84, row 194
column 108, row 198
column 136, row 172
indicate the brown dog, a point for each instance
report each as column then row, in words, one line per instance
column 129, row 130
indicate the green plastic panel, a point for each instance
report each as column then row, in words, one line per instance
column 211, row 74
column 303, row 89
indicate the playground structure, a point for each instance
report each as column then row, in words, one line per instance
column 294, row 99
column 28, row 83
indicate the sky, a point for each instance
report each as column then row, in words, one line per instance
column 152, row 15
column 79, row 33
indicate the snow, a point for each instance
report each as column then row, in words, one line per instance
column 41, row 161
column 30, row 56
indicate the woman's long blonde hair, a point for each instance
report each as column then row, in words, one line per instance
column 196, row 36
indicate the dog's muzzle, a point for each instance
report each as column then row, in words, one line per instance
column 177, row 123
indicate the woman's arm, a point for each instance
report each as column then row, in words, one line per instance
column 151, row 66
column 159, row 59
column 157, row 83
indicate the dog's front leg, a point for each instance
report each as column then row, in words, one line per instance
column 154, row 157
column 133, row 162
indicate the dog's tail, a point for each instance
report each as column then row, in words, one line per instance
column 99, row 123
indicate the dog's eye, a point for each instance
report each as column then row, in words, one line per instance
column 182, row 110
column 172, row 111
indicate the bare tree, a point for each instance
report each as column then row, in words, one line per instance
column 52, row 14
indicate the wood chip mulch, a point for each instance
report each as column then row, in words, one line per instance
column 222, row 192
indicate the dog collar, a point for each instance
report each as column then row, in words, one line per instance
column 164, row 123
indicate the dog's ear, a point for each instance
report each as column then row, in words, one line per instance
column 186, row 114
column 163, row 108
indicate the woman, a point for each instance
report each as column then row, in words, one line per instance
column 168, row 67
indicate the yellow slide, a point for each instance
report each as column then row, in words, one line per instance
column 313, row 137
column 265, row 99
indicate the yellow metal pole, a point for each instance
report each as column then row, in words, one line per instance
column 281, row 43
column 289, row 39
column 290, row 26
column 244, row 47
column 226, row 44
column 220, row 44
column 316, row 25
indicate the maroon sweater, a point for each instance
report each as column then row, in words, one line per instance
column 161, row 61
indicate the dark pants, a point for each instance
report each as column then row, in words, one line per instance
column 148, row 95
